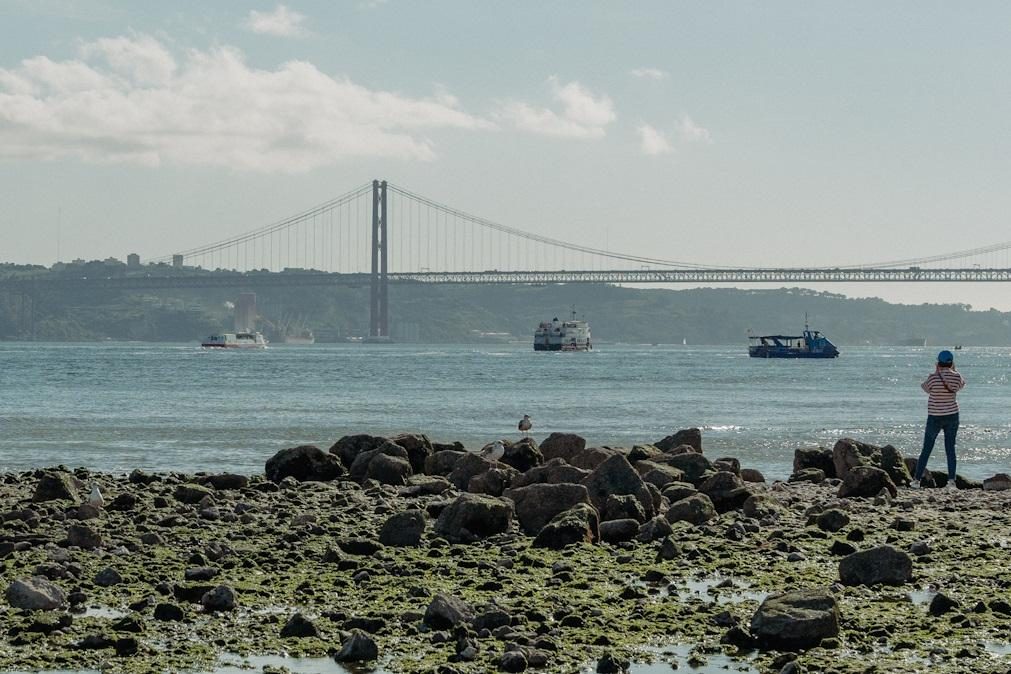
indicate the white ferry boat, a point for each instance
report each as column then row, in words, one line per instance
column 236, row 340
column 570, row 335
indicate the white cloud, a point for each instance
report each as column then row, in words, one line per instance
column 129, row 99
column 648, row 73
column 281, row 22
column 583, row 114
column 692, row 132
column 652, row 141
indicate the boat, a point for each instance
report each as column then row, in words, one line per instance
column 235, row 340
column 810, row 344
column 303, row 337
column 913, row 341
column 570, row 335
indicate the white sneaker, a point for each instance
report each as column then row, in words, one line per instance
column 915, row 484
column 950, row 485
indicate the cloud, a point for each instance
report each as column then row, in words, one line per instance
column 130, row 100
column 653, row 142
column 583, row 114
column 648, row 73
column 282, row 22
column 692, row 132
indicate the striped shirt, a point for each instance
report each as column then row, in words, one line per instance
column 941, row 387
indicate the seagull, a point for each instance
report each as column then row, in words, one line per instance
column 95, row 498
column 494, row 451
column 525, row 423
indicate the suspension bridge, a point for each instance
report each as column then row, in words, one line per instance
column 380, row 233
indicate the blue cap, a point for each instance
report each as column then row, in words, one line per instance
column 945, row 357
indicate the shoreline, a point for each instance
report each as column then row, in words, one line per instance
column 366, row 542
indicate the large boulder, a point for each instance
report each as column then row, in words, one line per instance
column 697, row 510
column 443, row 462
column 522, row 455
column 55, row 485
column 349, row 447
column 694, row 466
column 386, row 469
column 622, row 507
column 219, row 599
column 618, row 531
column 468, row 466
column 675, row 491
column 726, row 490
column 881, row 565
column 359, row 470
column 848, row 453
column 191, row 493
column 998, row 482
column 591, row 457
column 403, row 529
column 615, row 476
column 472, row 517
column 538, row 504
column 796, row 620
column 891, row 462
column 418, row 447
column 446, row 611
column 555, row 471
column 579, row 524
column 226, row 481
column 357, row 647
column 35, row 594
column 814, row 457
column 493, row 481
column 866, row 481
column 687, row 436
column 305, row 463
column 83, row 537
column 562, row 446
column 659, row 474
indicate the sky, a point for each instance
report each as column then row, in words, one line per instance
column 759, row 133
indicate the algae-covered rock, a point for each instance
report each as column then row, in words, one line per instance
column 881, row 565
column 579, row 524
column 35, row 594
column 866, row 481
column 799, row 619
column 696, row 509
column 615, row 476
column 538, row 504
column 403, row 529
column 472, row 517
column 56, row 485
column 446, row 611
column 305, row 463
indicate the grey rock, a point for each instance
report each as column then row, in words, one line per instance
column 358, row 647
column 35, row 594
column 305, row 463
column 386, row 469
column 555, row 471
column 615, row 476
column 687, row 436
column 56, row 486
column 359, row 470
column 726, row 490
column 299, row 627
column 418, row 448
column 562, row 446
column 798, row 619
column 472, row 517
column 522, row 455
column 446, row 611
column 654, row 530
column 403, row 529
column 83, row 536
column 538, row 504
column 623, row 506
column 813, row 475
column 579, row 524
column 221, row 598
column 108, row 577
column 191, row 493
column 443, row 462
column 349, row 447
column 466, row 467
column 618, row 531
column 866, row 481
column 814, row 457
column 881, row 565
column 697, row 510
column 832, row 520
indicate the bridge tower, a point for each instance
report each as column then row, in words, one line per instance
column 379, row 316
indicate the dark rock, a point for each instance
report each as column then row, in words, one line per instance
column 512, row 661
column 128, row 624
column 124, row 502
column 654, row 530
column 752, row 476
column 191, row 493
column 86, row 511
column 35, row 594
column 299, row 627
column 813, row 475
column 473, row 517
column 168, row 613
column 468, row 466
column 579, row 524
column 832, row 520
column 555, row 471
column 728, row 464
column 688, row 436
column 998, row 482
column 841, row 548
column 941, row 604
column 200, row 573
column 725, row 490
column 491, row 619
column 697, row 509
column 443, row 463
column 621, row 507
column 522, row 455
column 675, row 491
column 760, row 506
column 305, row 463
column 642, row 453
column 446, row 612
column 358, row 647
column 615, row 476
column 137, row 476
column 83, row 536
column 866, row 481
column 418, row 448
column 493, row 481
column 562, row 446
column 428, row 484
column 403, row 529
column 386, row 469
column 125, row 646
column 56, row 486
column 364, row 547
column 359, row 470
column 659, row 474
column 349, row 447
column 891, row 462
column 814, row 457
column 612, row 664
column 881, row 565
column 591, row 457
column 226, row 481
column 618, row 531
column 221, row 598
column 538, row 504
column 694, row 466
column 798, row 619
column 848, row 453
column 108, row 577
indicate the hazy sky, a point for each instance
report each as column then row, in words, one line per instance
column 752, row 133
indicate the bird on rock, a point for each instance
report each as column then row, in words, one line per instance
column 95, row 498
column 494, row 451
column 525, row 423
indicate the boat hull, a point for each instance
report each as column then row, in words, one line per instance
column 774, row 353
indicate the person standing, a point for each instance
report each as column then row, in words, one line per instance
column 942, row 387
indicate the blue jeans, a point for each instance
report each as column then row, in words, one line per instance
column 935, row 424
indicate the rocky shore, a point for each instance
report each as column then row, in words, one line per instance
column 411, row 556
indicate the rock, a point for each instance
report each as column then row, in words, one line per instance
column 751, row 475
column 654, row 530
column 349, row 447
column 299, row 627
column 562, row 446
column 87, row 511
column 697, row 509
column 841, row 548
column 725, row 490
column 443, row 463
column 473, row 517
column 642, row 453
column 35, row 594
column 446, row 611
column 359, row 470
column 760, row 506
column 618, row 531
column 386, row 469
column 468, row 466
column 137, row 476
column 814, row 457
column 999, row 482
column 941, row 604
column 813, row 475
column 358, row 647
column 418, row 448
column 591, row 457
column 522, row 455
column 403, row 529
column 675, row 491
column 512, row 661
column 799, row 619
column 579, row 524
column 688, row 436
column 56, row 486
column 305, row 463
column 728, row 464
column 108, row 577
column 538, row 504
column 694, row 466
column 492, row 482
column 623, row 506
column 866, row 481
column 199, row 573
column 168, row 613
column 891, row 462
column 615, row 476
column 848, row 453
column 124, row 502
column 83, row 536
column 363, row 547
column 221, row 598
column 832, row 520
column 881, row 565
column 226, row 481
column 191, row 493
column 555, row 471
column 612, row 664
column 428, row 484
column 659, row 474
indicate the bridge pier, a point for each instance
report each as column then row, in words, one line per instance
column 379, row 317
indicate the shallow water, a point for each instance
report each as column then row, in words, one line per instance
column 119, row 406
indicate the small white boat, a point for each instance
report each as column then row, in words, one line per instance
column 235, row 340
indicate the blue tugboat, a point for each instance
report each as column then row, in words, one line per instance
column 811, row 344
